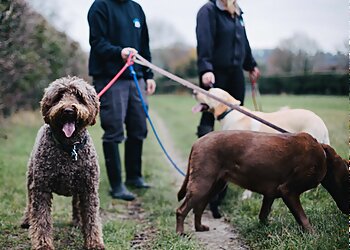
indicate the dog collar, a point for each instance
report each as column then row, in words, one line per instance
column 71, row 149
column 222, row 116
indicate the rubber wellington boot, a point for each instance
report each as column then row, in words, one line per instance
column 133, row 163
column 113, row 165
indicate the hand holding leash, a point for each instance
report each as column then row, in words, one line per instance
column 254, row 75
column 127, row 51
column 208, row 79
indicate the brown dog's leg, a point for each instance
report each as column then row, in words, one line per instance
column 40, row 221
column 181, row 213
column 198, row 211
column 265, row 209
column 293, row 203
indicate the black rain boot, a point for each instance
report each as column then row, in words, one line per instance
column 214, row 208
column 133, row 163
column 113, row 165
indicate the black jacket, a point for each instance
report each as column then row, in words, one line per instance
column 115, row 25
column 221, row 40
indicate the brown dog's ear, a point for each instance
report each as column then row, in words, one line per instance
column 336, row 180
column 333, row 159
column 330, row 152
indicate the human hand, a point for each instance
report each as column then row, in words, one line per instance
column 150, row 86
column 126, row 51
column 208, row 79
column 254, row 75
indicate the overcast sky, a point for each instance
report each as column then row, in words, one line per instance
column 267, row 21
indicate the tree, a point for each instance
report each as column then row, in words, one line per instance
column 293, row 55
column 299, row 42
column 32, row 54
column 280, row 61
column 163, row 34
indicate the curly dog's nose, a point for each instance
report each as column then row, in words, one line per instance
column 68, row 111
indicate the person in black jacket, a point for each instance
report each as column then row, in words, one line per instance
column 223, row 52
column 117, row 28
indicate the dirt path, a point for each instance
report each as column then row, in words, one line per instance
column 221, row 235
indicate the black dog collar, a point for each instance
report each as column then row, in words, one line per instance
column 222, row 116
column 71, row 149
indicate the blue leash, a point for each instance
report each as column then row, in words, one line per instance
column 133, row 73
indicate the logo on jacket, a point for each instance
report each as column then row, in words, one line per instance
column 136, row 22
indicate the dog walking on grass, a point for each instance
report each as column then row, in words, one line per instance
column 274, row 165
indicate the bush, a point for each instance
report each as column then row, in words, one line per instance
column 322, row 84
column 32, row 54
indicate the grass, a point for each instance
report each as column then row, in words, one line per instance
column 157, row 215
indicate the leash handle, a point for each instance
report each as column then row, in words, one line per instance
column 254, row 95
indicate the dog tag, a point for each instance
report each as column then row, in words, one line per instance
column 74, row 153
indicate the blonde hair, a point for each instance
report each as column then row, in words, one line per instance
column 232, row 7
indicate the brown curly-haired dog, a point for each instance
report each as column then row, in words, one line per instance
column 64, row 161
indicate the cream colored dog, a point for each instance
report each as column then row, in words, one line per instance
column 291, row 120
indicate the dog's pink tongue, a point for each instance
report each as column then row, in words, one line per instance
column 68, row 129
column 197, row 108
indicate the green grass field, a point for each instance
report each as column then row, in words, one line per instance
column 158, row 204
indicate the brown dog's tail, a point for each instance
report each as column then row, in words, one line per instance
column 182, row 192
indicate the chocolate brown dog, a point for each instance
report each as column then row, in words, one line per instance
column 274, row 165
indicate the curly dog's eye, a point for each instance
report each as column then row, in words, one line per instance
column 80, row 98
column 57, row 98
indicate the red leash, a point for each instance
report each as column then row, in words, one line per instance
column 111, row 82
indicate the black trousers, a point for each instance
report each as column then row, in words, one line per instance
column 121, row 108
column 230, row 80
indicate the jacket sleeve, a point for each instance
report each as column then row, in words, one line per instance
column 98, row 23
column 249, row 61
column 205, row 33
column 145, row 49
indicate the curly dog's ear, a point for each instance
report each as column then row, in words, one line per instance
column 50, row 96
column 93, row 103
column 45, row 107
